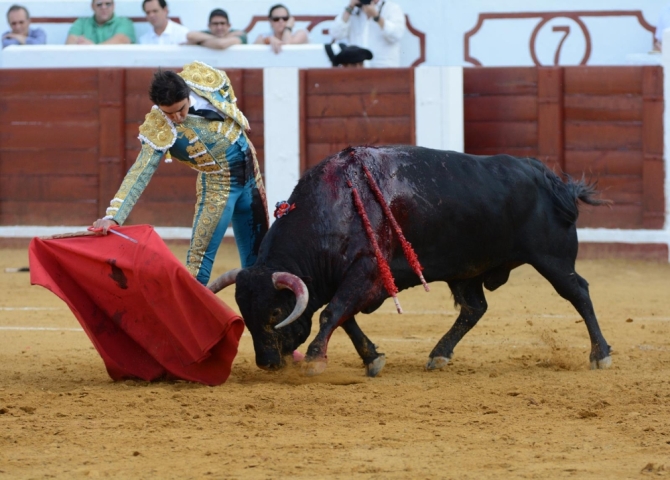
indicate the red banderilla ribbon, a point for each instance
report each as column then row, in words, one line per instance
column 407, row 249
column 384, row 269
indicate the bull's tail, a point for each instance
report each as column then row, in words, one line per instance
column 565, row 195
column 586, row 191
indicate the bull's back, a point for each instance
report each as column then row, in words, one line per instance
column 475, row 194
column 463, row 214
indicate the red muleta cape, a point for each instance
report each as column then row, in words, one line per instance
column 147, row 317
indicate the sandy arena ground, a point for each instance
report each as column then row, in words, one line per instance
column 518, row 401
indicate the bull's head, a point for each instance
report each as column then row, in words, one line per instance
column 271, row 304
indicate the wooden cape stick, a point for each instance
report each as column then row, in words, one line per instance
column 50, row 237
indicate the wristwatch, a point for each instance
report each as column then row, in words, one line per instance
column 376, row 19
column 349, row 10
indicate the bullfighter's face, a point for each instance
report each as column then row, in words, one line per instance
column 262, row 307
column 177, row 112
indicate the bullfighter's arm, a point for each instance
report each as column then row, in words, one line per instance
column 134, row 183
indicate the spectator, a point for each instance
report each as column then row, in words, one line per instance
column 21, row 33
column 103, row 28
column 282, row 24
column 195, row 119
column 165, row 31
column 663, row 23
column 377, row 25
column 220, row 34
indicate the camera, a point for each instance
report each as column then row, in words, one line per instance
column 364, row 2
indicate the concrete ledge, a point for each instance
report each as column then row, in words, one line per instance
column 96, row 56
column 652, row 245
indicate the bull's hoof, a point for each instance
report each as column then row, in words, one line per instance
column 314, row 367
column 601, row 364
column 437, row 363
column 373, row 368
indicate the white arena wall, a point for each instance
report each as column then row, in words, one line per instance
column 438, row 82
column 496, row 33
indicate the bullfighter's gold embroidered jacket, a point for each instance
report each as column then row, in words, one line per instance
column 199, row 143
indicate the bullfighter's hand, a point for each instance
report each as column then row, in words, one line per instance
column 105, row 224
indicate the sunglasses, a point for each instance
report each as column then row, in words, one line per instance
column 104, row 4
column 216, row 24
column 276, row 19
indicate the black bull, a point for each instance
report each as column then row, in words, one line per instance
column 470, row 220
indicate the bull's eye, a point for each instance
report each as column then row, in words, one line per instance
column 276, row 313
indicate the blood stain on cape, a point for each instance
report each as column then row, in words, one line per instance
column 117, row 275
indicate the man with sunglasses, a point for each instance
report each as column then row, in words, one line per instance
column 220, row 34
column 282, row 24
column 195, row 119
column 377, row 25
column 103, row 28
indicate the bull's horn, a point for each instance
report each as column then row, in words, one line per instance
column 288, row 280
column 224, row 280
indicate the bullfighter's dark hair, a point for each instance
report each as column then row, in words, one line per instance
column 168, row 88
column 279, row 5
column 162, row 3
column 218, row 12
column 14, row 8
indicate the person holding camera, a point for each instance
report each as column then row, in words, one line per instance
column 377, row 25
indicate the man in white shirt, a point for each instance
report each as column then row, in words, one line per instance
column 377, row 25
column 165, row 31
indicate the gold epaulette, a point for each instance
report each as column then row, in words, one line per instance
column 201, row 76
column 157, row 130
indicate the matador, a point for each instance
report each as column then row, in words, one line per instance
column 196, row 121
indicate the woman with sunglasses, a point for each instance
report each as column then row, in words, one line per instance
column 282, row 24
